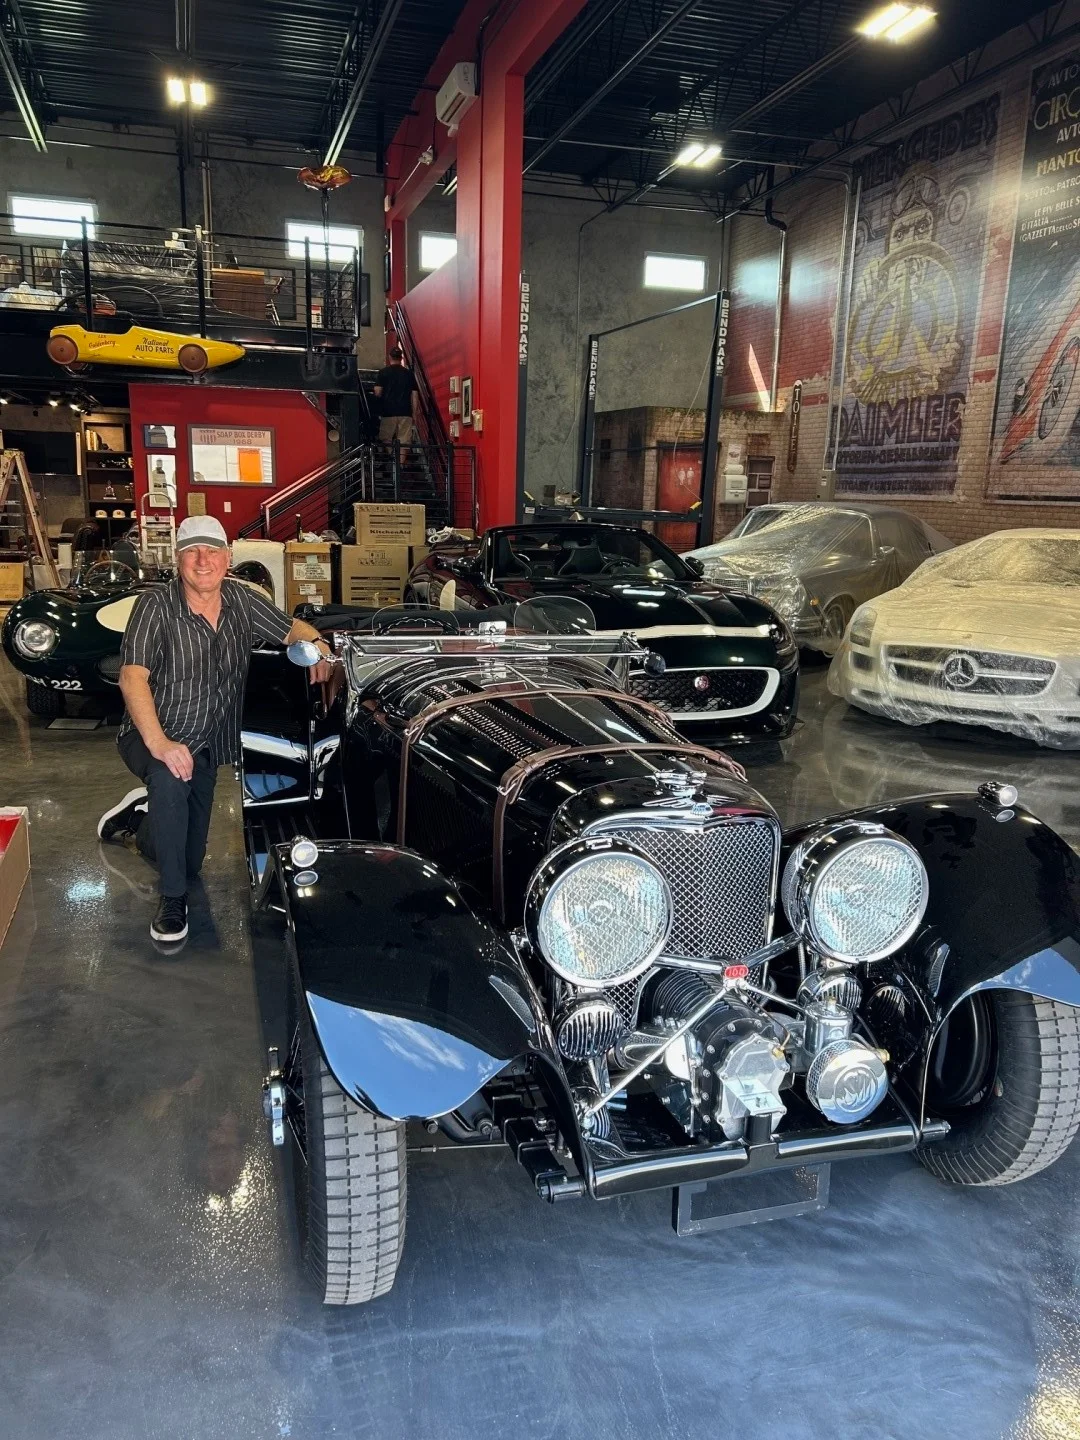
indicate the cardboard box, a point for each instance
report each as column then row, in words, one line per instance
column 12, row 579
column 14, row 860
column 374, row 575
column 389, row 524
column 309, row 573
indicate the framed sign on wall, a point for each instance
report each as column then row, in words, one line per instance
column 231, row 455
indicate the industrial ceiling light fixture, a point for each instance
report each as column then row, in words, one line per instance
column 698, row 154
column 187, row 92
column 896, row 22
column 54, row 400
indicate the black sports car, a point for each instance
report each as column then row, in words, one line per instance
column 66, row 643
column 518, row 906
column 732, row 666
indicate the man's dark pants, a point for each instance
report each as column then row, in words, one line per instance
column 173, row 833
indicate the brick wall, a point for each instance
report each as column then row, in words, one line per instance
column 814, row 214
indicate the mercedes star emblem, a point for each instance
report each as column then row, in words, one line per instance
column 959, row 672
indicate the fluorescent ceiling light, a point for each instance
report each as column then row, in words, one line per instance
column 199, row 93
column 689, row 153
column 708, row 156
column 896, row 22
column 176, row 90
column 920, row 16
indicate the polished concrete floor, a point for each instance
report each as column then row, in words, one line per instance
column 149, row 1287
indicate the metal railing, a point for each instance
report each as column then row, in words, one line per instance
column 323, row 500
column 459, row 475
column 101, row 274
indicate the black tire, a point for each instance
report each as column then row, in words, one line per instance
column 834, row 622
column 1017, row 1112
column 350, row 1176
column 44, row 700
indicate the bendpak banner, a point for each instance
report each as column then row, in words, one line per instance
column 915, row 292
column 1035, row 449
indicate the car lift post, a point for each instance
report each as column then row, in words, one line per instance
column 711, row 444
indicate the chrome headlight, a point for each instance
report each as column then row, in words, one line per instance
column 35, row 639
column 855, row 892
column 598, row 911
column 787, row 597
column 861, row 630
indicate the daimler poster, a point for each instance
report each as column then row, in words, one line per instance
column 915, row 292
column 1035, row 451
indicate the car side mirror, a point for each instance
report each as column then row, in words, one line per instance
column 696, row 565
column 467, row 566
column 307, row 653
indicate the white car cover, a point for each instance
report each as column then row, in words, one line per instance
column 987, row 634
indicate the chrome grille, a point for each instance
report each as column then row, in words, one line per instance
column 721, row 878
column 968, row 672
column 726, row 688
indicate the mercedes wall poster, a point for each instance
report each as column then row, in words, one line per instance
column 1035, row 450
column 918, row 265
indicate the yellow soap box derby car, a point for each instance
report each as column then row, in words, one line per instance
column 75, row 347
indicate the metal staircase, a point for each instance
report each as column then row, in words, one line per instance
column 434, row 473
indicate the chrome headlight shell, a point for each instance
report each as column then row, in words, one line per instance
column 35, row 639
column 599, row 912
column 854, row 891
column 861, row 629
column 787, row 596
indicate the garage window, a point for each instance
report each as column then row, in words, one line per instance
column 46, row 216
column 676, row 272
column 344, row 241
column 436, row 249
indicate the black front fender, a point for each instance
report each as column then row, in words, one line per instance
column 416, row 1000
column 1004, row 898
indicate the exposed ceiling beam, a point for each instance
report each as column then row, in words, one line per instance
column 805, row 77
column 379, row 36
column 17, row 63
column 568, row 50
column 610, row 83
column 185, row 26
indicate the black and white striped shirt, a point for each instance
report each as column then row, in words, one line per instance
column 197, row 673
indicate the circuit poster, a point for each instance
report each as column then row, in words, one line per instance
column 1035, row 450
column 921, row 235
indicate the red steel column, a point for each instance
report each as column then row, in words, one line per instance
column 478, row 312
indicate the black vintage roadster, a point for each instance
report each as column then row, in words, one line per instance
column 519, row 907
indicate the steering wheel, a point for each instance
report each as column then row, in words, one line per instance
column 613, row 565
column 113, row 572
column 416, row 619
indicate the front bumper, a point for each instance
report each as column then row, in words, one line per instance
column 865, row 676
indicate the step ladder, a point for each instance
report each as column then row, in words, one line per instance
column 22, row 531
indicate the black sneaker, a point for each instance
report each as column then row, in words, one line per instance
column 124, row 817
column 170, row 922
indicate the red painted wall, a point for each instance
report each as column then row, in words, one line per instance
column 464, row 317
column 299, row 439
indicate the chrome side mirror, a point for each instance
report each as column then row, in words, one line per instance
column 305, row 653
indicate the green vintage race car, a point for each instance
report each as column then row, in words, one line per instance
column 66, row 643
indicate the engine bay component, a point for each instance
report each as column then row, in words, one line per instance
column 588, row 1028
column 837, row 983
column 826, row 1022
column 855, row 891
column 598, row 911
column 735, row 1055
column 846, row 1081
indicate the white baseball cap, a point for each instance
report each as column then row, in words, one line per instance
column 201, row 530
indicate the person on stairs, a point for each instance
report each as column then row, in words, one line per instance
column 183, row 665
column 395, row 387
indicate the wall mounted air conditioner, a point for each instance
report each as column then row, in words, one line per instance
column 456, row 94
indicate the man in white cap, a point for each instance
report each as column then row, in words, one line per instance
column 183, row 665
